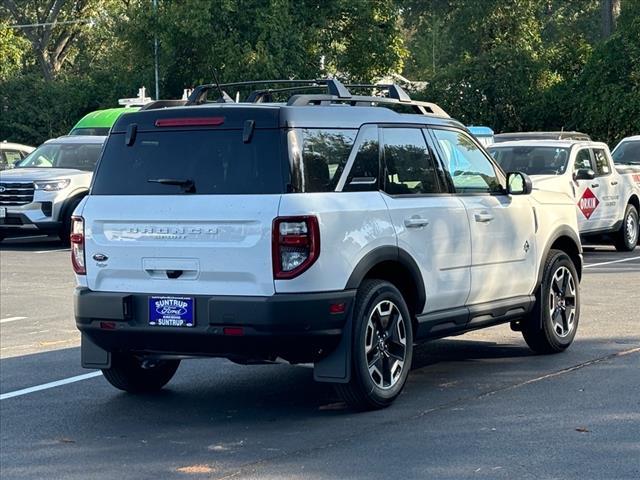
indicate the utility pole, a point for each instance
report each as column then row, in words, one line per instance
column 610, row 11
column 155, row 48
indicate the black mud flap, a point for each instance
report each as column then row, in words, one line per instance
column 92, row 355
column 336, row 367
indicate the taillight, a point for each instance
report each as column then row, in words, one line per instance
column 77, row 245
column 190, row 122
column 296, row 245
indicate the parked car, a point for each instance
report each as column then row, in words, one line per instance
column 10, row 153
column 607, row 200
column 483, row 134
column 627, row 153
column 323, row 230
column 514, row 136
column 41, row 192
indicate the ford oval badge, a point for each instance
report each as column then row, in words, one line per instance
column 99, row 257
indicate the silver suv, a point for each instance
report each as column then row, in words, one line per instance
column 41, row 192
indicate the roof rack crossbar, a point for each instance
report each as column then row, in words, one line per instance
column 393, row 90
column 334, row 87
column 425, row 108
column 258, row 96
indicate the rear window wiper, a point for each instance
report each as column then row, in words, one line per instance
column 188, row 185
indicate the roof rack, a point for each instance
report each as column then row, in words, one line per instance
column 393, row 90
column 337, row 93
column 163, row 104
column 424, row 108
column 199, row 94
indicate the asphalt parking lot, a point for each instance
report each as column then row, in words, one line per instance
column 475, row 406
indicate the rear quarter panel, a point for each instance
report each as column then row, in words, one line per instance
column 352, row 224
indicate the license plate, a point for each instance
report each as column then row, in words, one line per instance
column 3, row 212
column 171, row 311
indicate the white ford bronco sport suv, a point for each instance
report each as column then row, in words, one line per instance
column 328, row 229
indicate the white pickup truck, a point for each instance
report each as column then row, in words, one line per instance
column 607, row 195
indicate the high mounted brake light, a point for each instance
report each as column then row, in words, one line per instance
column 295, row 245
column 77, row 246
column 190, row 122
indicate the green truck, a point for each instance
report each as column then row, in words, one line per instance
column 100, row 121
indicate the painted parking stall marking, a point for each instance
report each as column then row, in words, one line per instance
column 622, row 260
column 11, row 319
column 46, row 386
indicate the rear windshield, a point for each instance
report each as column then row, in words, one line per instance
column 531, row 160
column 100, row 131
column 208, row 162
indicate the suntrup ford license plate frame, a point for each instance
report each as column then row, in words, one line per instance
column 169, row 311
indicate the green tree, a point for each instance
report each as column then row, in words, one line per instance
column 12, row 51
column 608, row 104
column 53, row 27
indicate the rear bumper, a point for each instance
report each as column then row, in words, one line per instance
column 297, row 327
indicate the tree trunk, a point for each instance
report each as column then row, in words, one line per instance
column 610, row 11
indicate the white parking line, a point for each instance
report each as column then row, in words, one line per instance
column 46, row 386
column 612, row 261
column 11, row 319
column 54, row 250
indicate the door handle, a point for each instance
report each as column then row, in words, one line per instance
column 614, row 183
column 483, row 217
column 415, row 222
column 595, row 185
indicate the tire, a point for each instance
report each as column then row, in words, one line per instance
column 382, row 338
column 130, row 373
column 627, row 237
column 65, row 230
column 552, row 325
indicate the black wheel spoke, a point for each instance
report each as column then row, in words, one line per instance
column 373, row 357
column 396, row 350
column 386, row 372
column 565, row 283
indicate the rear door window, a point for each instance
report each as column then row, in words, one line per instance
column 409, row 165
column 215, row 161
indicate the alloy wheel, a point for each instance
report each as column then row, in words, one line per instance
column 385, row 344
column 632, row 229
column 562, row 302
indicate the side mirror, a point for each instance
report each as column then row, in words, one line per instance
column 518, row 183
column 584, row 174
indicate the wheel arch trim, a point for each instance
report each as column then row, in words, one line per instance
column 389, row 254
column 560, row 233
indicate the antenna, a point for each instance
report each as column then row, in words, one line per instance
column 215, row 78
